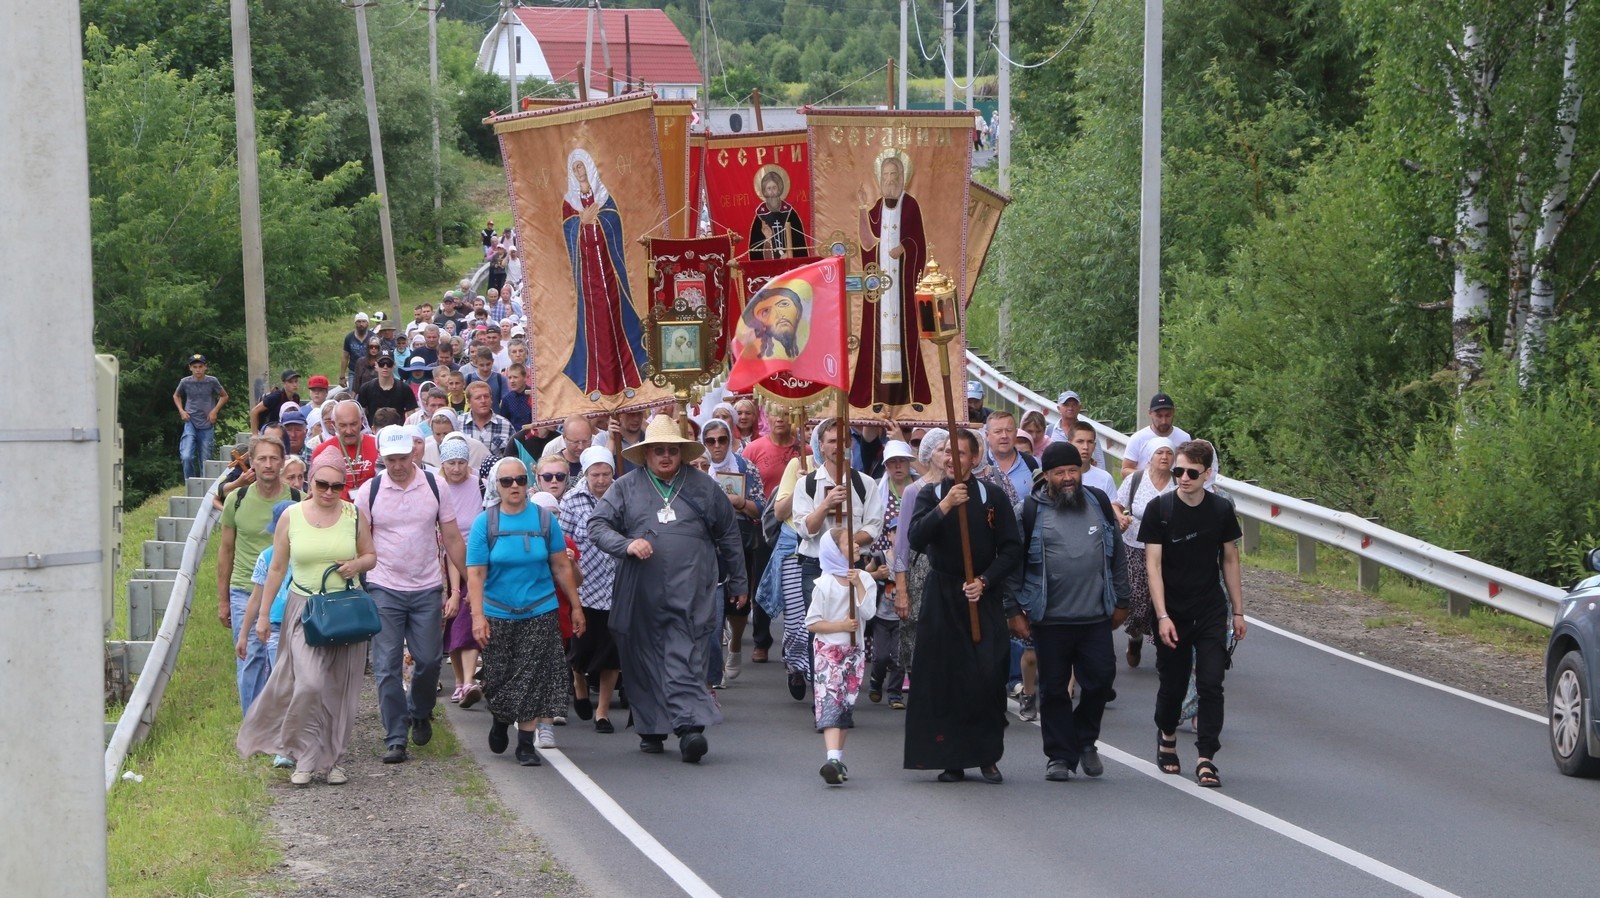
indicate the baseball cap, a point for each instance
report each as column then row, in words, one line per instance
column 974, row 390
column 290, row 374
column 293, row 416
column 493, row 328
column 518, row 331
column 1160, row 401
column 318, row 382
column 362, row 316
column 1066, row 395
column 395, row 440
column 897, row 449
column 198, row 359
column 385, row 360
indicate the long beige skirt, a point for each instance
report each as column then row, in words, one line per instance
column 308, row 708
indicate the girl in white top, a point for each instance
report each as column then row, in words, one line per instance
column 838, row 658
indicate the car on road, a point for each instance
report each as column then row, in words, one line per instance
column 1571, row 673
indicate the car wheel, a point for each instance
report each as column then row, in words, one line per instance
column 1569, row 721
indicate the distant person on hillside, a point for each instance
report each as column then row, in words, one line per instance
column 355, row 346
column 199, row 397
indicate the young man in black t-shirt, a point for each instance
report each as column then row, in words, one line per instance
column 1191, row 548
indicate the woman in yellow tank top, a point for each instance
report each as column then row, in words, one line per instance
column 309, row 706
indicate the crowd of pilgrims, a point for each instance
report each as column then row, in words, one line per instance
column 621, row 565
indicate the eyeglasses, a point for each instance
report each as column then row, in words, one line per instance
column 519, row 480
column 664, row 450
column 716, row 441
column 553, row 476
column 386, row 363
column 328, row 487
column 1180, row 472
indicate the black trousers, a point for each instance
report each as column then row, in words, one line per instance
column 1064, row 651
column 1202, row 649
column 760, row 620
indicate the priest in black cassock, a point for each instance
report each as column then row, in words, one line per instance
column 956, row 716
column 675, row 536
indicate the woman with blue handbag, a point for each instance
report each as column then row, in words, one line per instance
column 309, row 706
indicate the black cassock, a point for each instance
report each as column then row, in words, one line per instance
column 788, row 233
column 956, row 715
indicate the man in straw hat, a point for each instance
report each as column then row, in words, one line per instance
column 675, row 537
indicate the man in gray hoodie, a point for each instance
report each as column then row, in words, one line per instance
column 1070, row 594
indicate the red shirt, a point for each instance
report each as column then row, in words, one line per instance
column 358, row 468
column 770, row 459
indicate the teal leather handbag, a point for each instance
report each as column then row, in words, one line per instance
column 344, row 617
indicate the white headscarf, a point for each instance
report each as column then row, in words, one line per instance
column 596, row 455
column 574, row 199
column 831, row 559
column 729, row 464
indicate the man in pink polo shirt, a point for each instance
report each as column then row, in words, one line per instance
column 400, row 507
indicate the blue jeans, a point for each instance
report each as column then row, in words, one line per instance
column 272, row 648
column 195, row 446
column 252, row 672
column 410, row 620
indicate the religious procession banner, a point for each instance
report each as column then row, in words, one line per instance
column 983, row 219
column 585, row 183
column 697, row 273
column 786, row 388
column 759, row 187
column 794, row 325
column 672, row 129
column 697, row 181
column 891, row 191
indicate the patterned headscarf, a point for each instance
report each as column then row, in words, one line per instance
column 491, row 489
column 454, row 450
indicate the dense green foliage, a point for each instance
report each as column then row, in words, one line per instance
column 1312, row 161
column 164, row 182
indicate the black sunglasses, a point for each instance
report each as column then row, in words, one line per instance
column 519, row 480
column 1179, row 472
column 385, row 363
column 553, row 476
column 330, row 487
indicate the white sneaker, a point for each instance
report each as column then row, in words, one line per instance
column 731, row 669
column 336, row 777
column 300, row 777
column 545, row 737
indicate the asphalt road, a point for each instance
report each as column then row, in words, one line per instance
column 1339, row 780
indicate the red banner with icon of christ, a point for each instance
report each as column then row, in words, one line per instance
column 758, row 186
column 754, row 275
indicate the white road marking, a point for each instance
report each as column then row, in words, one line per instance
column 624, row 823
column 1458, row 693
column 1342, row 853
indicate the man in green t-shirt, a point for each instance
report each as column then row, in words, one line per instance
column 246, row 514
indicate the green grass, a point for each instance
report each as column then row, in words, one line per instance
column 1408, row 600
column 197, row 824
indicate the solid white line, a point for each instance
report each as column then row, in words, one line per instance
column 1458, row 693
column 1338, row 852
column 1342, row 853
column 631, row 830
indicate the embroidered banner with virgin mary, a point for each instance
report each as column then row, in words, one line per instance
column 586, row 183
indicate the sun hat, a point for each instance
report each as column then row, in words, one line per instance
column 663, row 431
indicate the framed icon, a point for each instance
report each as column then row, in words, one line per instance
column 732, row 484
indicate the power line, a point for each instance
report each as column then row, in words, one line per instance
column 1059, row 50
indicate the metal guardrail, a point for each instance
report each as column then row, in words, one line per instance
column 140, row 712
column 1368, row 541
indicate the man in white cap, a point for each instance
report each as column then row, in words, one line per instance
column 977, row 413
column 673, row 532
column 1071, row 406
column 402, row 511
column 355, row 346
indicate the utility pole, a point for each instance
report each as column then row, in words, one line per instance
column 705, row 62
column 972, row 6
column 1002, row 138
column 904, row 48
column 508, row 24
column 1002, row 127
column 244, row 128
column 588, row 51
column 949, row 55
column 1149, row 365
column 52, row 795
column 605, row 50
column 385, row 229
column 433, row 104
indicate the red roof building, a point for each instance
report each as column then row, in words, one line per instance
column 550, row 43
